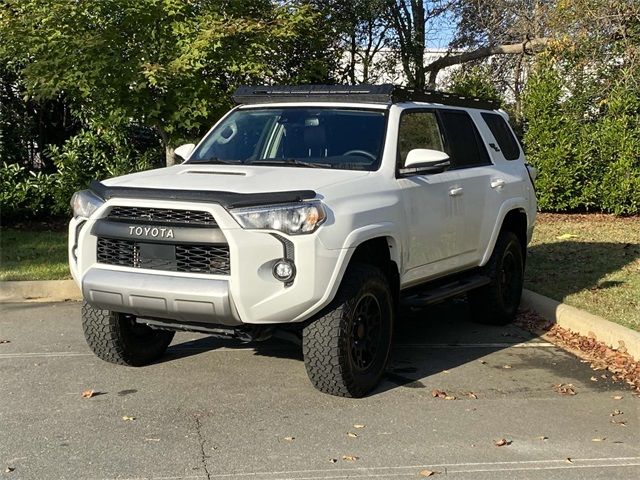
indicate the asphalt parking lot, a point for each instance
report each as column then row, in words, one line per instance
column 219, row 409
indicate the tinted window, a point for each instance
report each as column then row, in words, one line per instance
column 418, row 130
column 502, row 133
column 465, row 146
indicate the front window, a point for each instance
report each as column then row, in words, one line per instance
column 348, row 139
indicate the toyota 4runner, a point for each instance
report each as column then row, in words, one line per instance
column 311, row 211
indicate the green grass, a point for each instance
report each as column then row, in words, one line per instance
column 589, row 261
column 33, row 254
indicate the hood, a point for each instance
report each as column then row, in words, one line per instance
column 237, row 179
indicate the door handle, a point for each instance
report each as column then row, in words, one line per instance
column 497, row 183
column 455, row 192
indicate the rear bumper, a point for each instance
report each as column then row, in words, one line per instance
column 183, row 299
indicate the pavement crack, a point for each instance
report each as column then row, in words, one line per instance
column 201, row 442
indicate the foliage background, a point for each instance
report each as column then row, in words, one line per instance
column 100, row 88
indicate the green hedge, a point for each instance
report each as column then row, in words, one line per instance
column 583, row 136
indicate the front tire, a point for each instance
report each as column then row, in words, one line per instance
column 498, row 302
column 117, row 338
column 346, row 349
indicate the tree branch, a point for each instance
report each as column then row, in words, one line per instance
column 530, row 45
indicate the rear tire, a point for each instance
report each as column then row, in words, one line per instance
column 498, row 302
column 117, row 338
column 346, row 349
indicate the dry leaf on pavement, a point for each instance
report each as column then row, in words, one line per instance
column 352, row 435
column 472, row 395
column 599, row 439
column 333, row 460
column 449, row 397
column 350, row 458
column 568, row 460
column 127, row 418
column 289, row 439
column 564, row 389
column 88, row 393
column 594, row 379
column 9, row 469
column 502, row 442
column 4, row 341
column 543, row 437
column 616, row 413
column 438, row 393
column 359, row 425
column 619, row 422
column 507, row 366
column 617, row 397
column 427, row 473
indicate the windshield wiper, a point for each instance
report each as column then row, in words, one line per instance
column 216, row 160
column 294, row 162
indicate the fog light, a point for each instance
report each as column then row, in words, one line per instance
column 284, row 270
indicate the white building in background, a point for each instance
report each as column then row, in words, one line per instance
column 386, row 67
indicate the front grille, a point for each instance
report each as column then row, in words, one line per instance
column 212, row 259
column 161, row 215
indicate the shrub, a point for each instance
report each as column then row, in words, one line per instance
column 24, row 194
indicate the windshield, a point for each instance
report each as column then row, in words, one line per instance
column 306, row 137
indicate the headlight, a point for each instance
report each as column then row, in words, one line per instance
column 84, row 203
column 294, row 219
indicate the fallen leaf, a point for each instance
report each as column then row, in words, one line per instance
column 617, row 397
column 88, row 394
column 438, row 393
column 450, row 397
column 568, row 460
column 427, row 473
column 619, row 422
column 564, row 389
column 502, row 442
column 543, row 437
column 350, row 458
column 594, row 379
column 289, row 439
column 616, row 413
column 472, row 395
column 152, row 439
column 333, row 460
column 5, row 341
column 566, row 236
column 599, row 439
column 359, row 425
column 352, row 435
column 9, row 469
column 507, row 366
column 126, row 418
column 483, row 362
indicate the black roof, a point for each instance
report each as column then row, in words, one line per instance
column 386, row 94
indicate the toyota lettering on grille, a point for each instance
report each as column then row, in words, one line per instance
column 155, row 232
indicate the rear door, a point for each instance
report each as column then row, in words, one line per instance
column 473, row 166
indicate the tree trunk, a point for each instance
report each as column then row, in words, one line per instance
column 169, row 154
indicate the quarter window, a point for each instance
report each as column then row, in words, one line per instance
column 418, row 130
column 466, row 148
column 502, row 133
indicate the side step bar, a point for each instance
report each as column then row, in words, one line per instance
column 443, row 292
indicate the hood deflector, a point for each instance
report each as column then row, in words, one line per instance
column 226, row 199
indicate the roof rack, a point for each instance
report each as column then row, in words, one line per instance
column 387, row 94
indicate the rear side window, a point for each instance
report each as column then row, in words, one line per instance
column 502, row 133
column 465, row 146
column 418, row 130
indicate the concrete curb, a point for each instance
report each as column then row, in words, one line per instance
column 583, row 323
column 39, row 291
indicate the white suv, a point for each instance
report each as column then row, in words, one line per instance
column 311, row 211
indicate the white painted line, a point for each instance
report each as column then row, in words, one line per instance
column 450, row 467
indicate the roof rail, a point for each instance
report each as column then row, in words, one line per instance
column 365, row 93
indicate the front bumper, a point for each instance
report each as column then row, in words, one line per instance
column 248, row 295
column 152, row 295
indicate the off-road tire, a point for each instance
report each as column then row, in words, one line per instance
column 497, row 303
column 333, row 343
column 116, row 338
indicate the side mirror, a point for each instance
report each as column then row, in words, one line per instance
column 427, row 160
column 183, row 151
